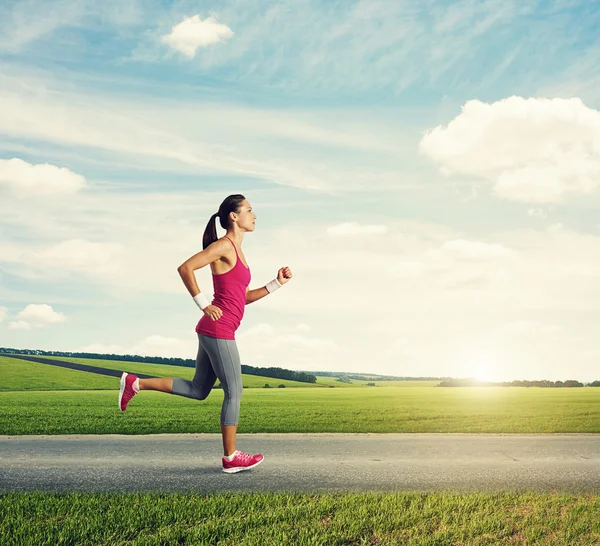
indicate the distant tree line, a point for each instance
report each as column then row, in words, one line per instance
column 469, row 382
column 277, row 373
column 282, row 373
column 371, row 377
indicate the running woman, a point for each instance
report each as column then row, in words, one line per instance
column 218, row 355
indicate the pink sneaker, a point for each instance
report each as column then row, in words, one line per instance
column 127, row 392
column 241, row 461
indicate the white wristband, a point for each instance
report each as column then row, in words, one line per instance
column 272, row 286
column 201, row 301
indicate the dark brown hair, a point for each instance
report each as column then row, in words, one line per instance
column 231, row 203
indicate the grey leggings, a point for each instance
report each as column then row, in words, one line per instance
column 216, row 358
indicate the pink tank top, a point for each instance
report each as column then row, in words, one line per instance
column 230, row 297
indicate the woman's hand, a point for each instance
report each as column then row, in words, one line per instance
column 284, row 275
column 213, row 312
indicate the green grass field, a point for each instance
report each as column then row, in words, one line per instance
column 43, row 399
column 402, row 407
column 24, row 375
column 403, row 518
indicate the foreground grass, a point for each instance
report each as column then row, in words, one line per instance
column 424, row 518
column 394, row 409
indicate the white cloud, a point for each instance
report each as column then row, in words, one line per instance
column 41, row 314
column 157, row 345
column 262, row 329
column 37, row 316
column 269, row 337
column 264, row 345
column 462, row 250
column 532, row 150
column 537, row 213
column 193, row 32
column 459, row 261
column 290, row 340
column 19, row 325
column 153, row 345
column 3, row 313
column 23, row 179
column 96, row 260
column 81, row 255
column 100, row 348
column 348, row 229
column 555, row 228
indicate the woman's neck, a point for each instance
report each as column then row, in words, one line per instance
column 237, row 238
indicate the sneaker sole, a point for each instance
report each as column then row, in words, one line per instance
column 122, row 389
column 240, row 468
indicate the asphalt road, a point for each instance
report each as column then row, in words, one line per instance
column 303, row 462
column 74, row 366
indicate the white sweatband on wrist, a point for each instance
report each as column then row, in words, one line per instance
column 272, row 286
column 201, row 301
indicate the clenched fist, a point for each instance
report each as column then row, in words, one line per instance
column 284, row 275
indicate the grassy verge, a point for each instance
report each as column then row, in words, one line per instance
column 407, row 518
column 166, row 370
column 394, row 409
column 22, row 375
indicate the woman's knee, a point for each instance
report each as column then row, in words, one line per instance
column 201, row 392
column 233, row 394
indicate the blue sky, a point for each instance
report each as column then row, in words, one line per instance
column 429, row 171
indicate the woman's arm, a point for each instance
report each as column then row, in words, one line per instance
column 256, row 294
column 283, row 275
column 210, row 254
column 213, row 252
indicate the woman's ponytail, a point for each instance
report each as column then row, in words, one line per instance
column 210, row 233
column 231, row 203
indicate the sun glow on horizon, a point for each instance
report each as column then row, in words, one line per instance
column 484, row 374
column 483, row 365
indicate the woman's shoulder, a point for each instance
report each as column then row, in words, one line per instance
column 223, row 243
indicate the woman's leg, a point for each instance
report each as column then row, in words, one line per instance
column 198, row 388
column 204, row 378
column 163, row 384
column 225, row 359
column 228, row 432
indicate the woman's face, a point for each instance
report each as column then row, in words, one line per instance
column 245, row 217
